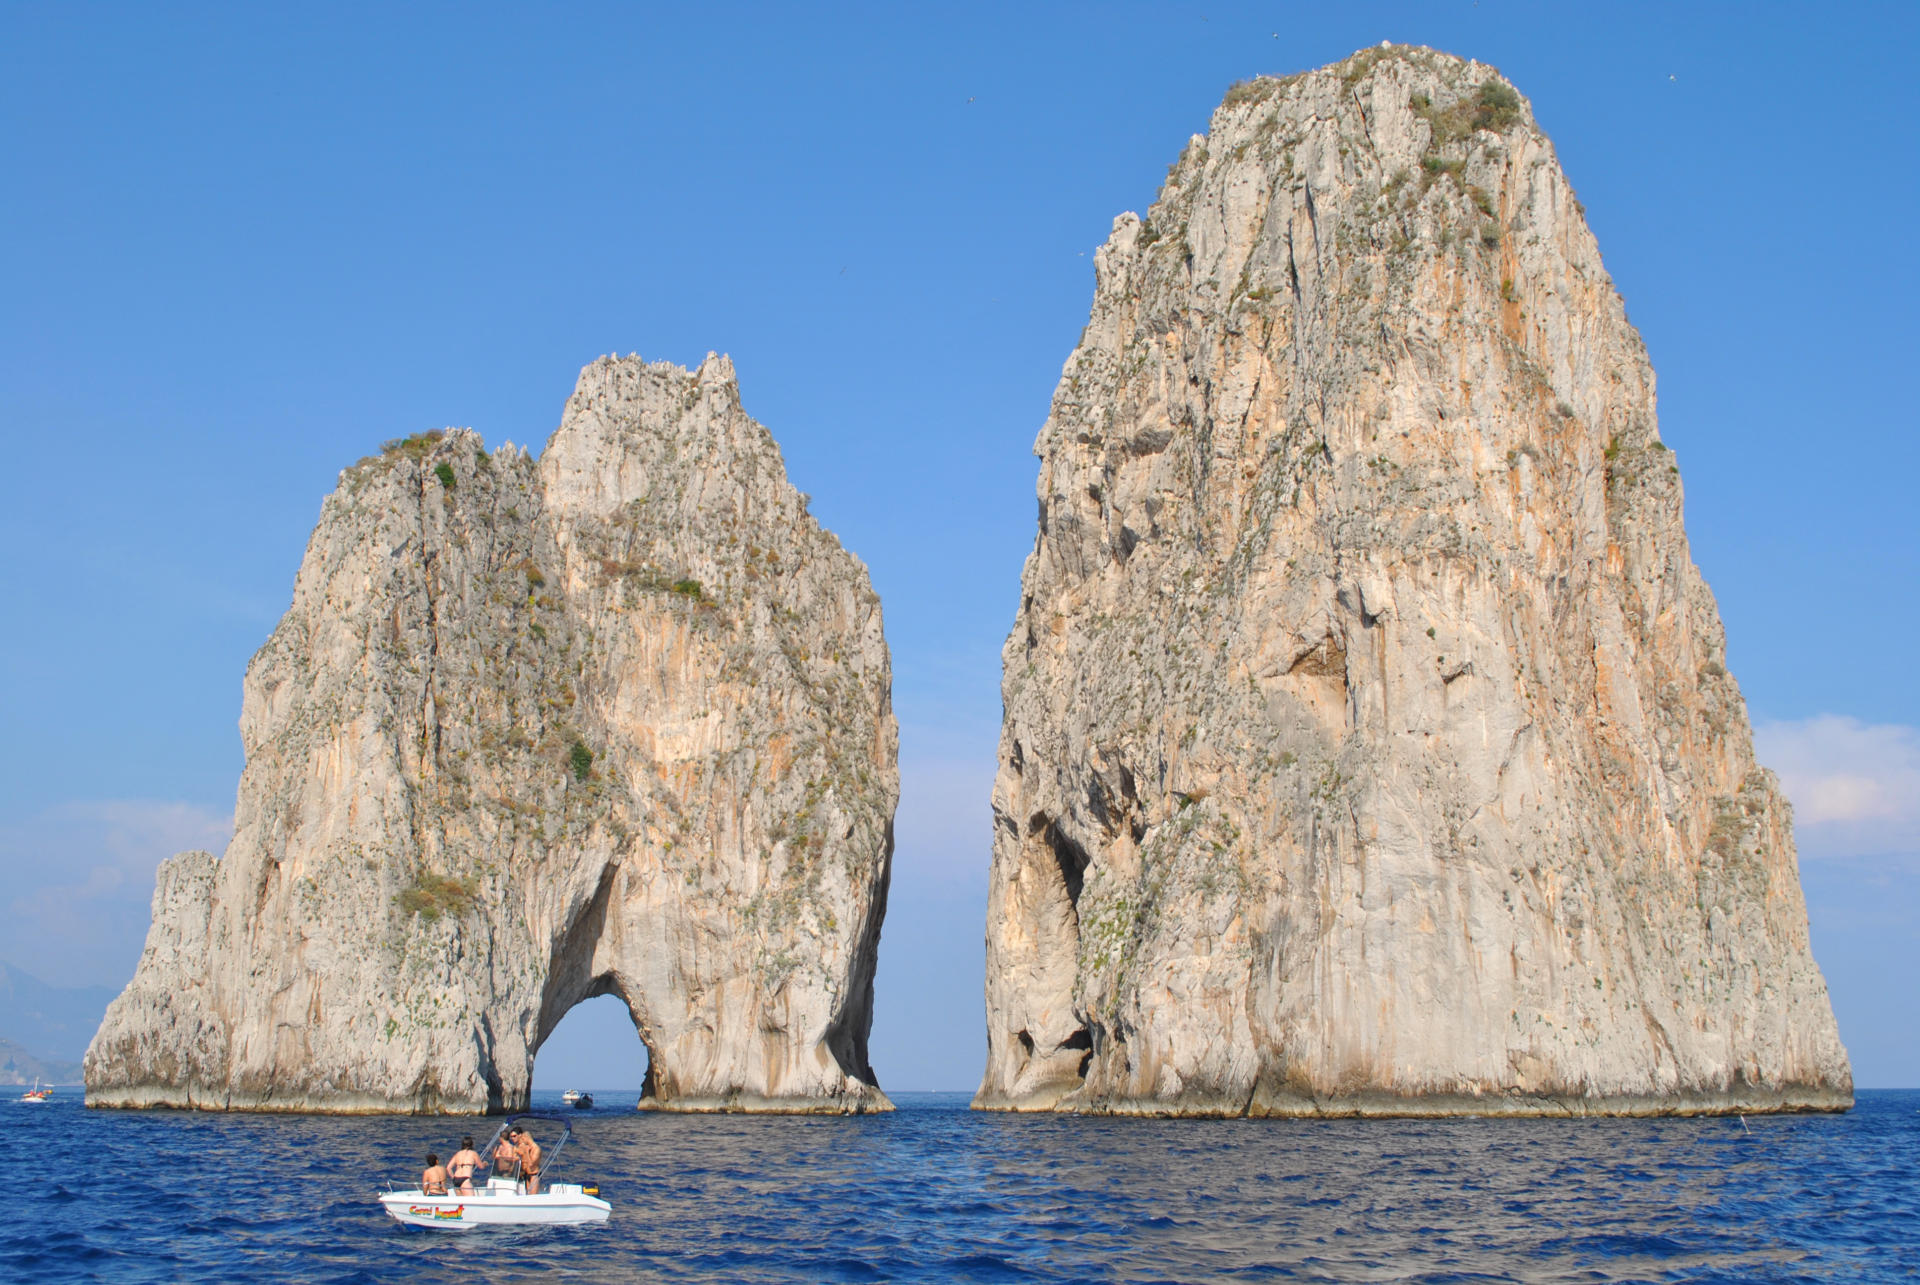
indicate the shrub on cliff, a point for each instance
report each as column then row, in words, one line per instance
column 414, row 447
column 434, row 895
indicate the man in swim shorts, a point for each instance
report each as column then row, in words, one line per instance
column 434, row 1181
column 506, row 1156
column 530, row 1163
column 461, row 1165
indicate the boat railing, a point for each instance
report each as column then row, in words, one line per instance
column 508, row 1172
column 549, row 1156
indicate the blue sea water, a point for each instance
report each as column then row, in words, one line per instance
column 934, row 1192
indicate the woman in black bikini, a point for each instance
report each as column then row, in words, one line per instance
column 462, row 1163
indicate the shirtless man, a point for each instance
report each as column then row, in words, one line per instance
column 530, row 1163
column 434, row 1181
column 462, row 1163
column 506, row 1156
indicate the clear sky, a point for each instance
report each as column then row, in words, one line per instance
column 241, row 246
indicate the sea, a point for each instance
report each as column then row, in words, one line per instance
column 934, row 1192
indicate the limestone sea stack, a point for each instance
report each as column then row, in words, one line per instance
column 1369, row 744
column 615, row 722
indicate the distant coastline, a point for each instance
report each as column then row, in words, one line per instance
column 44, row 1029
column 18, row 1066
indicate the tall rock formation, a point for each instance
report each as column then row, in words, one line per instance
column 1369, row 742
column 616, row 722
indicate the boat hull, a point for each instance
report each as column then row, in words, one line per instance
column 497, row 1206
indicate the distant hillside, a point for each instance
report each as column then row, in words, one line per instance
column 56, row 1022
column 17, row 1066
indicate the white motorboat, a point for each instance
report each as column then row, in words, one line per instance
column 501, row 1201
column 36, row 1093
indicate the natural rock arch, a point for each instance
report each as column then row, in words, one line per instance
column 619, row 720
column 602, row 1047
column 579, row 972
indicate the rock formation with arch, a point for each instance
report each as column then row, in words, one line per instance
column 617, row 721
column 1369, row 743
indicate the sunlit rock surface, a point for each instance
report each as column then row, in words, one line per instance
column 617, row 721
column 1369, row 745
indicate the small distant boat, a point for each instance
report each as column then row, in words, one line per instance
column 500, row 1201
column 36, row 1093
column 578, row 1100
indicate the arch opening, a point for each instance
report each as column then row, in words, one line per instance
column 595, row 1045
column 601, row 1043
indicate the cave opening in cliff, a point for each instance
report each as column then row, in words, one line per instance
column 1082, row 1040
column 594, row 1047
column 1072, row 861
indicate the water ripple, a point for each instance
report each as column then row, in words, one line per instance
column 935, row 1193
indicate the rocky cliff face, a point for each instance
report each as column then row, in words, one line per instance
column 615, row 722
column 1369, row 742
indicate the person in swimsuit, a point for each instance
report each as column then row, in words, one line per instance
column 506, row 1156
column 434, row 1181
column 530, row 1163
column 462, row 1163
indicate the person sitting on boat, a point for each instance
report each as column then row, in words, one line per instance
column 462, row 1163
column 434, row 1181
column 530, row 1163
column 506, row 1156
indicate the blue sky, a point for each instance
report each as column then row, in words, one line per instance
column 241, row 246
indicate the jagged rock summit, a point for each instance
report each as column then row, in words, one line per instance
column 618, row 721
column 1369, row 744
